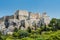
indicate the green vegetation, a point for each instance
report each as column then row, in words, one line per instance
column 50, row 32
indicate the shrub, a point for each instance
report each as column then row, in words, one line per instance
column 34, row 36
column 40, row 38
column 15, row 34
column 10, row 38
column 23, row 34
column 15, row 29
column 27, row 38
column 38, row 30
column 29, row 29
column 4, row 37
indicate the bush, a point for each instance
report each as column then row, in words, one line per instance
column 38, row 30
column 40, row 38
column 15, row 30
column 34, row 36
column 15, row 34
column 33, row 32
column 23, row 34
column 27, row 38
column 29, row 29
column 10, row 38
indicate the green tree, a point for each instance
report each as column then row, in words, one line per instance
column 53, row 23
column 23, row 34
column 29, row 29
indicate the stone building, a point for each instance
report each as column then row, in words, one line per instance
column 21, row 15
column 23, row 19
column 29, row 18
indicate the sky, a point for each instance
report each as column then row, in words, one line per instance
column 51, row 7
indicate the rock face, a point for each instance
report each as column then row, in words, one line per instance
column 23, row 19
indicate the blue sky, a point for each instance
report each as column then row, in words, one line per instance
column 51, row 7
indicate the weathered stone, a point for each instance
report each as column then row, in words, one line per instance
column 29, row 19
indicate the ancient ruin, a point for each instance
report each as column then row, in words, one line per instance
column 23, row 19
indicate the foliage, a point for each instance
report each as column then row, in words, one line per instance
column 55, row 24
column 50, row 32
column 27, row 38
column 23, row 34
column 15, row 30
column 29, row 29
